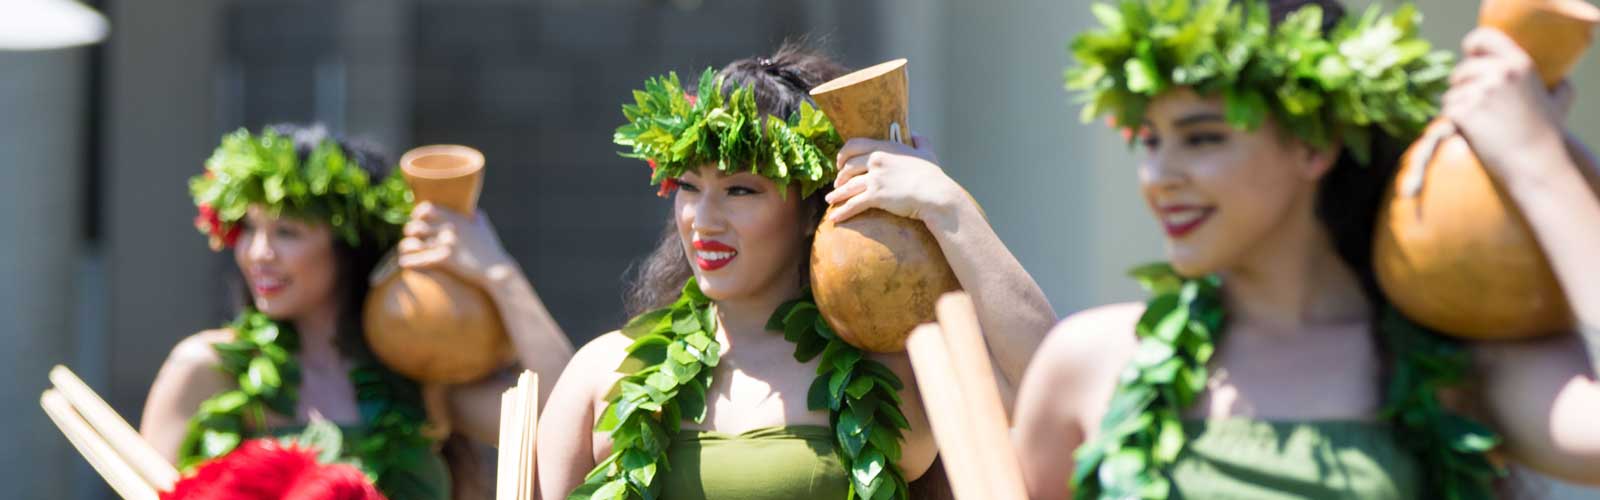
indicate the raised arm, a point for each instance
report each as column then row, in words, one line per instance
column 469, row 248
column 908, row 182
column 1542, row 394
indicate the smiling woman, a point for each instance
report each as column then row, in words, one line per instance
column 308, row 217
column 728, row 384
column 1268, row 363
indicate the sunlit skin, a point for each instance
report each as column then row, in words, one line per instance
column 288, row 264
column 290, row 268
column 1218, row 193
column 1238, row 204
column 739, row 231
column 745, row 239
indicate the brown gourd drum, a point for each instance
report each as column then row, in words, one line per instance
column 429, row 325
column 1452, row 251
column 875, row 276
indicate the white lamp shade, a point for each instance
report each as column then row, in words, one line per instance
column 48, row 24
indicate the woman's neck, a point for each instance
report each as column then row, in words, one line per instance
column 318, row 330
column 1293, row 280
column 747, row 315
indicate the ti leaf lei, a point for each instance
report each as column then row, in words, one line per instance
column 1142, row 433
column 263, row 169
column 672, row 357
column 862, row 398
column 676, row 132
column 262, row 358
column 1371, row 71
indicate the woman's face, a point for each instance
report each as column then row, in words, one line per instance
column 1216, row 190
column 743, row 235
column 288, row 263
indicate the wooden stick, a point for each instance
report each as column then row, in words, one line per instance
column 514, row 448
column 123, row 439
column 526, row 384
column 505, row 478
column 986, row 413
column 941, row 397
column 105, row 460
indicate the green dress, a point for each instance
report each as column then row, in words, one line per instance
column 769, row 463
column 1248, row 459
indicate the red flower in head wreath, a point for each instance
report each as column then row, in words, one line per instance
column 262, row 469
column 222, row 235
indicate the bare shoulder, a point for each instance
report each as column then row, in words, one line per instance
column 1093, row 340
column 596, row 364
column 1075, row 371
column 196, row 351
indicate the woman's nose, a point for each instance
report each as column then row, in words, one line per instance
column 707, row 215
column 1160, row 171
column 259, row 247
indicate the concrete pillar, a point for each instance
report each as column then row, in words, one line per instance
column 42, row 138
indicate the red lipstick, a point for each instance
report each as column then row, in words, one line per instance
column 1177, row 227
column 713, row 255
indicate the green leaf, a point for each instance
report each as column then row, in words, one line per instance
column 859, row 387
column 218, row 443
column 685, row 322
column 1244, row 108
column 323, row 436
column 865, row 471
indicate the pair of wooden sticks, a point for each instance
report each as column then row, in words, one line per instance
column 519, row 424
column 958, row 388
column 124, row 459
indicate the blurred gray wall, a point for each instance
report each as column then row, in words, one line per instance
column 42, row 134
column 535, row 84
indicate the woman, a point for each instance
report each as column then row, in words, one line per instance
column 1317, row 389
column 702, row 396
column 297, row 350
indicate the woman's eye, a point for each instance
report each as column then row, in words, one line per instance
column 740, row 191
column 1204, row 139
column 688, row 187
column 286, row 232
column 1150, row 142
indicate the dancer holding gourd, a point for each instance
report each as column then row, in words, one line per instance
column 730, row 384
column 307, row 218
column 1269, row 363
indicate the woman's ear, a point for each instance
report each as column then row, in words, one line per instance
column 1316, row 161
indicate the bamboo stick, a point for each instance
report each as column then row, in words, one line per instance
column 151, row 466
column 941, row 397
column 118, row 473
column 986, row 413
column 505, row 479
column 527, row 385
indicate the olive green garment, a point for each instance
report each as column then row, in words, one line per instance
column 428, row 478
column 770, row 463
column 1267, row 460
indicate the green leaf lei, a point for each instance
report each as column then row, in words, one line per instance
column 1369, row 71
column 261, row 357
column 262, row 169
column 862, row 398
column 677, row 132
column 671, row 360
column 1142, row 433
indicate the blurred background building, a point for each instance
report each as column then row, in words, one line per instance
column 101, row 268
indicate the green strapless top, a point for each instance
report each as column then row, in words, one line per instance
column 427, row 479
column 770, row 463
column 1268, row 460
